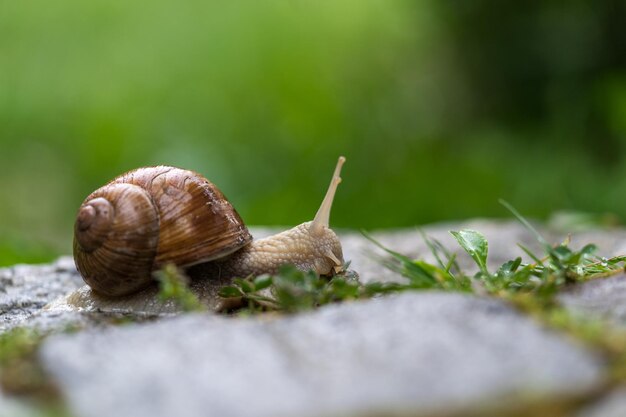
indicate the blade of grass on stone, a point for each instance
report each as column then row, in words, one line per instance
column 530, row 254
column 408, row 268
column 451, row 263
column 418, row 277
column 434, row 249
column 526, row 224
column 437, row 248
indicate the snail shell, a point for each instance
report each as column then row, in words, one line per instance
column 148, row 217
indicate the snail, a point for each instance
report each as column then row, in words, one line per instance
column 152, row 216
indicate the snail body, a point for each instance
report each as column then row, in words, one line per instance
column 151, row 216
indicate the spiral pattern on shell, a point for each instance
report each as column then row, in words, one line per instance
column 148, row 217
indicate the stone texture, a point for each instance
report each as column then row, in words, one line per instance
column 14, row 408
column 603, row 298
column 415, row 353
column 612, row 405
column 26, row 289
column 145, row 302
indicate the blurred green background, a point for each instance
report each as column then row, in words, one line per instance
column 441, row 107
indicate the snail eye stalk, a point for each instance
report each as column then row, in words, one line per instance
column 322, row 217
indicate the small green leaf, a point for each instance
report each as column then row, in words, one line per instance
column 563, row 252
column 589, row 249
column 508, row 268
column 230, row 292
column 262, row 282
column 475, row 244
column 245, row 285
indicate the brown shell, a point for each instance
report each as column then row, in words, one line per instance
column 148, row 217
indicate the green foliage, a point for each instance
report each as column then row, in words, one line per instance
column 557, row 266
column 422, row 275
column 174, row 286
column 292, row 290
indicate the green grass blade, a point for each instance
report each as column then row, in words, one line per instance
column 434, row 249
column 530, row 254
column 526, row 223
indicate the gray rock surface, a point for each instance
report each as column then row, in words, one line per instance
column 604, row 299
column 13, row 408
column 26, row 289
column 612, row 405
column 413, row 353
